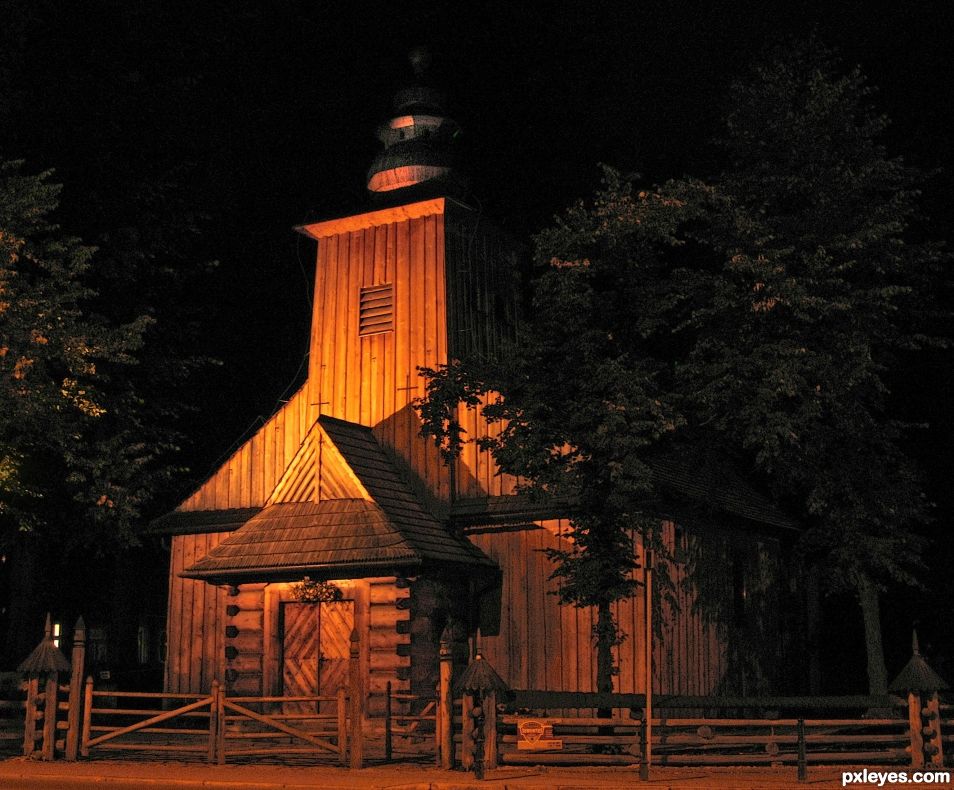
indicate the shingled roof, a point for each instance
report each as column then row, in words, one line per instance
column 720, row 487
column 382, row 526
column 699, row 483
column 192, row 522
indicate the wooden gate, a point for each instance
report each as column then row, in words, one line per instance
column 212, row 726
column 242, row 731
column 189, row 728
column 315, row 649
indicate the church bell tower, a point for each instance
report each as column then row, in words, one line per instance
column 418, row 280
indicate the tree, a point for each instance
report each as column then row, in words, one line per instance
column 760, row 315
column 133, row 189
column 57, row 360
column 583, row 399
column 801, row 317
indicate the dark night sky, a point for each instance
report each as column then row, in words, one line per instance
column 274, row 105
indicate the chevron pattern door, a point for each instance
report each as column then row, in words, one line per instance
column 315, row 645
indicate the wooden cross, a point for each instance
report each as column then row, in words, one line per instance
column 408, row 388
column 320, row 402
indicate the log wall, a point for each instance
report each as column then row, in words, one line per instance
column 245, row 626
column 234, row 633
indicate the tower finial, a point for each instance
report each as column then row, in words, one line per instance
column 419, row 143
column 915, row 648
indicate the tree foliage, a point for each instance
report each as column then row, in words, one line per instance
column 57, row 359
column 802, row 316
column 760, row 314
column 583, row 398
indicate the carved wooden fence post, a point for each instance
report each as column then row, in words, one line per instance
column 933, row 742
column 467, row 732
column 30, row 719
column 924, row 720
column 46, row 661
column 445, row 702
column 77, row 667
column 490, row 730
column 479, row 685
column 355, row 676
column 50, row 705
column 914, row 729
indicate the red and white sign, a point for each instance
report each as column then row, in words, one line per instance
column 535, row 735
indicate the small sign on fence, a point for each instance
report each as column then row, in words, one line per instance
column 534, row 735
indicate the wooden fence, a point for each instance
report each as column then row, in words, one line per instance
column 534, row 728
column 12, row 711
column 139, row 721
column 78, row 720
column 474, row 731
column 414, row 731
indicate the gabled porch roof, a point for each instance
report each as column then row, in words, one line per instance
column 371, row 522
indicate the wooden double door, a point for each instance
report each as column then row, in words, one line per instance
column 316, row 639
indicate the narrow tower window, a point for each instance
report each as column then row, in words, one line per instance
column 376, row 312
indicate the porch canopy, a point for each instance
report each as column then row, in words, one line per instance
column 340, row 510
column 335, row 538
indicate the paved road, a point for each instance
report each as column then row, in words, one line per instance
column 22, row 774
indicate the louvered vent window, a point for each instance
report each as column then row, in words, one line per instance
column 377, row 310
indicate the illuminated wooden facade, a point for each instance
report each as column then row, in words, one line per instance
column 441, row 299
column 339, row 485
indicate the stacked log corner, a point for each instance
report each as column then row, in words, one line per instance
column 31, row 718
column 931, row 732
column 924, row 724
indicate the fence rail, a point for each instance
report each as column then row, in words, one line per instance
column 214, row 725
column 474, row 731
column 12, row 713
column 416, row 727
column 734, row 731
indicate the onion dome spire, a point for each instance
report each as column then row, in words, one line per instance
column 417, row 160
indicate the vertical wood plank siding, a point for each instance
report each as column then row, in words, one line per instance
column 543, row 645
column 373, row 379
column 248, row 477
column 483, row 300
column 195, row 649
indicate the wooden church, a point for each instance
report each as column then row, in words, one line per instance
column 339, row 488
